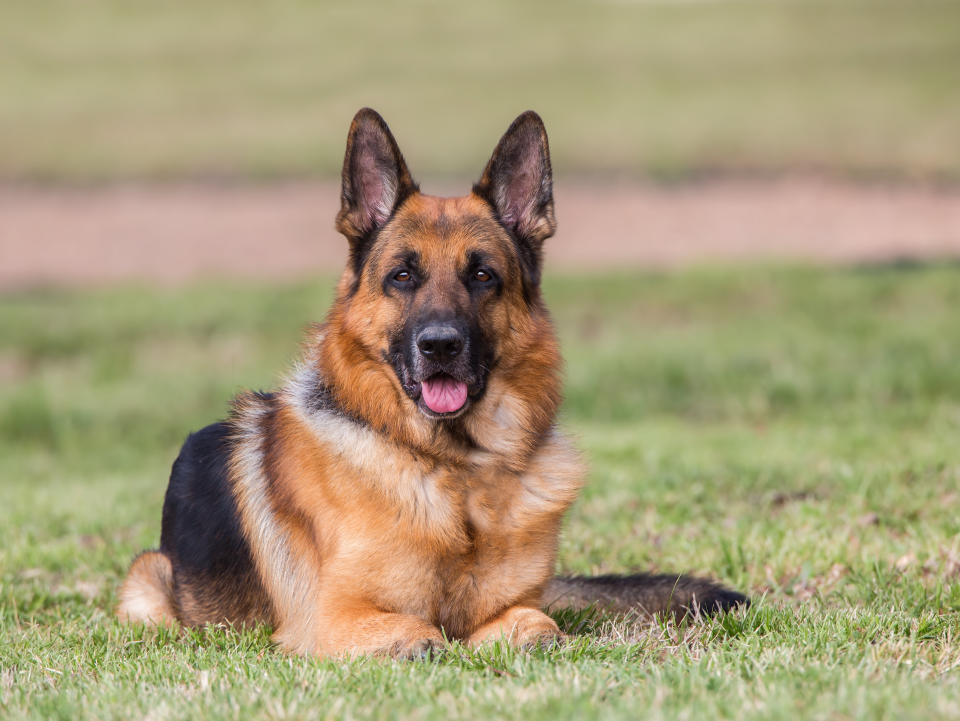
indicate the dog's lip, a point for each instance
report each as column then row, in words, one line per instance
column 426, row 410
column 416, row 383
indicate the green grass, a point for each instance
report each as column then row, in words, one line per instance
column 107, row 89
column 793, row 432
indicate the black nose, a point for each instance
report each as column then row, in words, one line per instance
column 440, row 342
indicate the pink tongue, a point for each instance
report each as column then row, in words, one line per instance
column 444, row 394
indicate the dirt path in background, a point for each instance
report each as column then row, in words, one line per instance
column 171, row 234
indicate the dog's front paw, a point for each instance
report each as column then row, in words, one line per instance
column 523, row 627
column 536, row 630
column 415, row 649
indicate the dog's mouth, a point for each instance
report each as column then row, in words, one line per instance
column 440, row 393
column 443, row 394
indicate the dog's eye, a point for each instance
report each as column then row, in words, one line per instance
column 404, row 280
column 482, row 276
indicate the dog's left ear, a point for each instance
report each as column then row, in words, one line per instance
column 518, row 183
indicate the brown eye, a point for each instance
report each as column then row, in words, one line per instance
column 482, row 276
column 403, row 276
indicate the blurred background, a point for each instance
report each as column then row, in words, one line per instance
column 758, row 204
column 754, row 280
column 165, row 141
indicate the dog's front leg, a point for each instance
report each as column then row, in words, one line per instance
column 357, row 628
column 522, row 626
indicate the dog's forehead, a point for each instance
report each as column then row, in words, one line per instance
column 443, row 230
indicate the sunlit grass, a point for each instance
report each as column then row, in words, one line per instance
column 792, row 432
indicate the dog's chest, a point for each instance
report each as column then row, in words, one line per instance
column 455, row 542
column 490, row 544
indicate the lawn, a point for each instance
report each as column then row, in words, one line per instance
column 790, row 431
column 119, row 89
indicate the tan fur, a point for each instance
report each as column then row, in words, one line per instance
column 394, row 528
column 375, row 527
column 146, row 593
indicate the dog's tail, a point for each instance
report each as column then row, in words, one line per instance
column 642, row 593
column 146, row 595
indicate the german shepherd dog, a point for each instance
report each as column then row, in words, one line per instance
column 407, row 483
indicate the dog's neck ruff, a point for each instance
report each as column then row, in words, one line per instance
column 496, row 432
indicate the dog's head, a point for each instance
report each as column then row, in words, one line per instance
column 439, row 292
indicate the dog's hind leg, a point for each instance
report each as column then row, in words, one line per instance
column 146, row 595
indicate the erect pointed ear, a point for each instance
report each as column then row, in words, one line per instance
column 518, row 183
column 375, row 180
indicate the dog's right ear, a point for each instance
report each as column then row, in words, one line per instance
column 375, row 181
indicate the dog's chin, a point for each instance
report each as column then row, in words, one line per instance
column 434, row 416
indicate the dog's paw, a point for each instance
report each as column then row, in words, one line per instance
column 522, row 627
column 546, row 640
column 536, row 630
column 416, row 649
